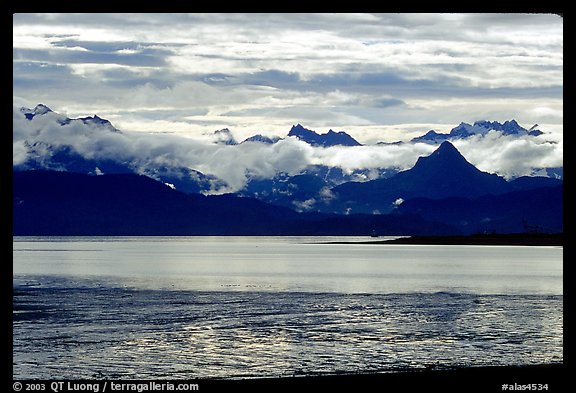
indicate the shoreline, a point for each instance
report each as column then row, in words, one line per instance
column 459, row 379
column 516, row 239
column 547, row 377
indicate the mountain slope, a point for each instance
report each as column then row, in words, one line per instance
column 71, row 204
column 42, row 155
column 445, row 173
column 534, row 210
column 65, row 203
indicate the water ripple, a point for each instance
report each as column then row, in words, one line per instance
column 114, row 332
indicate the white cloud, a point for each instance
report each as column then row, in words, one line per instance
column 326, row 194
column 330, row 69
column 511, row 156
column 167, row 80
column 304, row 205
column 401, row 156
column 506, row 155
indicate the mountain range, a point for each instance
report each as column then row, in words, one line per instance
column 483, row 127
column 59, row 190
column 43, row 154
column 95, row 120
column 341, row 138
column 70, row 204
column 443, row 174
column 331, row 138
column 441, row 194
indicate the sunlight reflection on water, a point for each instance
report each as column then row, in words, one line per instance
column 188, row 308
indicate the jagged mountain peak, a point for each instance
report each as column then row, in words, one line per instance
column 95, row 120
column 224, row 136
column 447, row 148
column 300, row 131
column 262, row 139
column 446, row 172
column 446, row 156
column 39, row 109
column 331, row 138
column 430, row 137
column 481, row 128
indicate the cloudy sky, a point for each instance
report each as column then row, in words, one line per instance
column 382, row 77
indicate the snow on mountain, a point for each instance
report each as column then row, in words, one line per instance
column 96, row 121
column 43, row 139
column 262, row 139
column 224, row 137
column 40, row 109
column 481, row 127
column 431, row 137
column 464, row 130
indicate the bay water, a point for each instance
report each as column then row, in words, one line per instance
column 253, row 307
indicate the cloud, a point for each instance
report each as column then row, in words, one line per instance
column 233, row 164
column 511, row 156
column 381, row 77
column 387, row 61
column 304, row 205
column 401, row 156
column 146, row 58
column 236, row 164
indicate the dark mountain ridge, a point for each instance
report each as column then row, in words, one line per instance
column 537, row 210
column 70, row 204
column 443, row 174
column 331, row 138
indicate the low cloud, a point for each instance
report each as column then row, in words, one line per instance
column 511, row 156
column 304, row 205
column 236, row 164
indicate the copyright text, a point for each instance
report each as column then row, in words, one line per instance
column 104, row 386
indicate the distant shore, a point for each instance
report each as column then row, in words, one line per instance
column 516, row 239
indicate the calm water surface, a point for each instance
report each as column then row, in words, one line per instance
column 234, row 307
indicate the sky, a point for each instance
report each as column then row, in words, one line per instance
column 379, row 77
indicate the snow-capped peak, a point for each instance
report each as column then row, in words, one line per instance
column 41, row 109
column 482, row 127
column 224, row 136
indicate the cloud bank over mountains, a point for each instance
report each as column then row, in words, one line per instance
column 37, row 133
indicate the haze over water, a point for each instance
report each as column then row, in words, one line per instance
column 230, row 307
